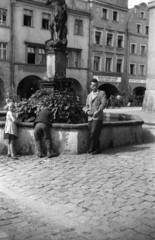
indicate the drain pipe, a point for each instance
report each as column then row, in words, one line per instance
column 89, row 50
column 11, row 85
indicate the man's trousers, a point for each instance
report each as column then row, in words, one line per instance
column 95, row 128
column 42, row 130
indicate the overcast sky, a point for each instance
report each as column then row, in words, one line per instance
column 136, row 2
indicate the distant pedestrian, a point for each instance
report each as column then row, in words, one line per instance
column 96, row 102
column 43, row 130
column 10, row 130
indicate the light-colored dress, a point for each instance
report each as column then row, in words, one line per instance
column 10, row 125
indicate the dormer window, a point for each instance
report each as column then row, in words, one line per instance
column 142, row 15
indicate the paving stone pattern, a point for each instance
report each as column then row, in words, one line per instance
column 83, row 197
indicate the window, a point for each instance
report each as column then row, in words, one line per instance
column 31, row 55
column 120, row 41
column 138, row 28
column 147, row 30
column 115, row 16
column 132, row 69
column 74, row 58
column 142, row 49
column 3, row 17
column 78, row 27
column 109, row 41
column 97, row 37
column 3, row 51
column 133, row 48
column 142, row 15
column 77, row 59
column 36, row 55
column 104, row 13
column 141, row 70
column 41, row 59
column 96, row 63
column 28, row 18
column 45, row 20
column 108, row 64
column 119, row 66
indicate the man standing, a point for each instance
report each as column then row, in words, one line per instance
column 96, row 102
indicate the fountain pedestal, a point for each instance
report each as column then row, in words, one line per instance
column 149, row 98
column 56, row 69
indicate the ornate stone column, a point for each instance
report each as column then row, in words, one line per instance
column 149, row 98
column 56, row 69
column 56, row 46
column 56, row 64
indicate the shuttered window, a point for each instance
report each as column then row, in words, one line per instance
column 27, row 18
column 3, row 17
column 3, row 51
column 45, row 20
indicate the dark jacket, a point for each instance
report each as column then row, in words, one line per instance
column 44, row 116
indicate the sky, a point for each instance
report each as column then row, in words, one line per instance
column 136, row 2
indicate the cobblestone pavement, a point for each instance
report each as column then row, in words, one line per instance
column 82, row 197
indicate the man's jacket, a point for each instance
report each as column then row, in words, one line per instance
column 96, row 104
column 44, row 116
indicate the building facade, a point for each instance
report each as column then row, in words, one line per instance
column 105, row 40
column 108, row 44
column 5, row 48
column 138, row 32
column 27, row 29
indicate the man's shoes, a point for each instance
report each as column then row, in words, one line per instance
column 98, row 151
column 51, row 154
column 89, row 151
column 40, row 154
column 14, row 157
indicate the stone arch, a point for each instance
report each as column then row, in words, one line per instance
column 2, row 93
column 139, row 91
column 27, row 86
column 138, row 95
column 109, row 89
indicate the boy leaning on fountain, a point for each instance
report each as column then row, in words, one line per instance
column 96, row 102
column 42, row 130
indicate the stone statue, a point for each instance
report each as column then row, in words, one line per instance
column 58, row 27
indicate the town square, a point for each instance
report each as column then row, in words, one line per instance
column 77, row 120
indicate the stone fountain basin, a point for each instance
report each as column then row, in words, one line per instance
column 117, row 130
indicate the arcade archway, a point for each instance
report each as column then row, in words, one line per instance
column 28, row 86
column 109, row 89
column 139, row 91
column 138, row 95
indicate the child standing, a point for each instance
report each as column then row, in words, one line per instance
column 7, row 100
column 10, row 130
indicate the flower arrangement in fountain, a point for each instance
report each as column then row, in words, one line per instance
column 64, row 106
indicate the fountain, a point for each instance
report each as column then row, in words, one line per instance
column 118, row 129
